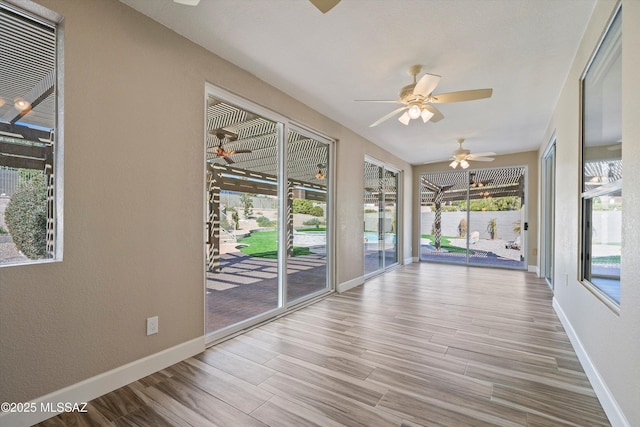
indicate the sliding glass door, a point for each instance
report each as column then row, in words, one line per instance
column 380, row 217
column 268, row 214
column 308, row 204
column 474, row 217
column 548, row 212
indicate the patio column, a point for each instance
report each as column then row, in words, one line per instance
column 289, row 219
column 213, row 220
column 48, row 173
column 438, row 218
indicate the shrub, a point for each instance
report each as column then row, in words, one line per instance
column 263, row 221
column 313, row 221
column 26, row 217
column 3, row 230
column 316, row 211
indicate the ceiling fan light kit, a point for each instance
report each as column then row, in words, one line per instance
column 418, row 98
column 462, row 157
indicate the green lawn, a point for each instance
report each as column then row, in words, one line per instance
column 311, row 229
column 264, row 244
column 445, row 243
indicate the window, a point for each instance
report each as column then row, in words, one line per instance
column 28, row 123
column 602, row 166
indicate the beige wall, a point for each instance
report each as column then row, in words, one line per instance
column 529, row 159
column 133, row 208
column 611, row 341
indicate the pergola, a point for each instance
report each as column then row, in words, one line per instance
column 28, row 102
column 448, row 186
column 254, row 166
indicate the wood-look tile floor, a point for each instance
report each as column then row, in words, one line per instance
column 423, row 345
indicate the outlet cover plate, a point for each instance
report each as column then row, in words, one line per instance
column 152, row 325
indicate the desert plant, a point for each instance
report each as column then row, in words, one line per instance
column 492, row 228
column 516, row 227
column 462, row 228
column 26, row 217
column 247, row 203
column 313, row 221
column 263, row 221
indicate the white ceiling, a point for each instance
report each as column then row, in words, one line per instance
column 362, row 49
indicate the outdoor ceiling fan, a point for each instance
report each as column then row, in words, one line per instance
column 222, row 134
column 462, row 157
column 418, row 96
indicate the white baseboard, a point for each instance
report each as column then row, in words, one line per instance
column 410, row 260
column 104, row 383
column 533, row 269
column 607, row 400
column 415, row 259
column 349, row 284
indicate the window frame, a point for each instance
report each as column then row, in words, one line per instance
column 53, row 20
column 588, row 196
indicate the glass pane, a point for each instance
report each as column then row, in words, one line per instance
column 602, row 165
column 373, row 218
column 496, row 218
column 27, row 143
column 390, row 218
column 473, row 217
column 605, row 245
column 602, row 113
column 242, row 202
column 307, row 170
column 443, row 216
column 549, row 213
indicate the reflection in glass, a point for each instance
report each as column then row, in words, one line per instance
column 475, row 217
column 307, row 171
column 605, row 243
column 602, row 165
column 380, row 217
column 242, row 206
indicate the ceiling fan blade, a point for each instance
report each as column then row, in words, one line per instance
column 481, row 159
column 388, row 116
column 463, row 95
column 228, row 159
column 187, row 2
column 485, row 154
column 324, row 6
column 437, row 115
column 397, row 101
column 426, row 84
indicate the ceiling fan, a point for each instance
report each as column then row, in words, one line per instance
column 462, row 157
column 222, row 134
column 418, row 96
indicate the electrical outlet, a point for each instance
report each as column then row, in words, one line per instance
column 152, row 325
